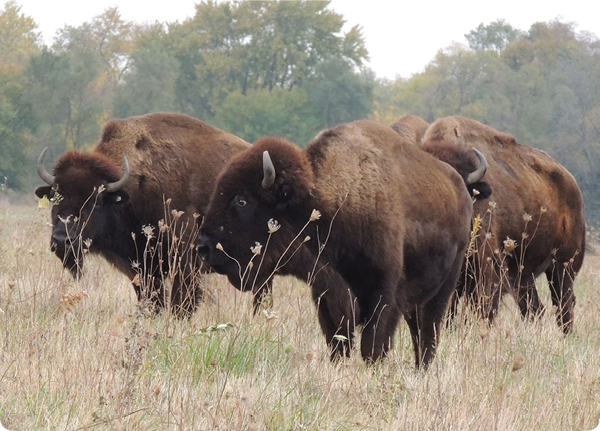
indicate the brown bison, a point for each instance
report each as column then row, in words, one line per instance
column 411, row 128
column 471, row 165
column 359, row 209
column 110, row 200
column 534, row 223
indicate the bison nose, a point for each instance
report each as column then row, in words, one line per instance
column 203, row 246
column 59, row 237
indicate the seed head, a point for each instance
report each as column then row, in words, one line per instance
column 509, row 245
column 256, row 249
column 162, row 226
column 148, row 231
column 527, row 217
column 219, row 246
column 273, row 225
column 315, row 215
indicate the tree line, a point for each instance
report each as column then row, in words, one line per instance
column 288, row 68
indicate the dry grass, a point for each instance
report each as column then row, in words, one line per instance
column 81, row 355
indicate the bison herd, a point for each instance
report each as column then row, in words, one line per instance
column 381, row 222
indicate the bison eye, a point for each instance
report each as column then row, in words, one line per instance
column 240, row 201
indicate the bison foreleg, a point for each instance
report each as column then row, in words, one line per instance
column 336, row 308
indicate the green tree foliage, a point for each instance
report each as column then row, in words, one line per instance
column 338, row 94
column 261, row 113
column 251, row 46
column 18, row 41
column 71, row 85
column 151, row 80
column 492, row 37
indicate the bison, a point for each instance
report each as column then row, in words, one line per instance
column 534, row 223
column 411, row 128
column 470, row 164
column 360, row 210
column 111, row 201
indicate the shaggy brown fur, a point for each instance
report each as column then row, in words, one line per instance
column 399, row 221
column 411, row 128
column 172, row 157
column 528, row 185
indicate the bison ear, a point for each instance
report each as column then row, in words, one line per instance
column 118, row 197
column 483, row 190
column 42, row 191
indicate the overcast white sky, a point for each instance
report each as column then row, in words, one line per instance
column 402, row 36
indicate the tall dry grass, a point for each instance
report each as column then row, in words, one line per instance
column 83, row 356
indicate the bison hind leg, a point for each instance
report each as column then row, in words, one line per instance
column 380, row 313
column 561, row 278
column 529, row 302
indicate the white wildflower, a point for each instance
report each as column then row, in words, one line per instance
column 256, row 249
column 315, row 215
column 148, row 231
column 177, row 214
column 273, row 225
column 162, row 226
column 509, row 245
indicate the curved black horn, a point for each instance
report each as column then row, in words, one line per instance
column 41, row 170
column 269, row 171
column 118, row 185
column 478, row 173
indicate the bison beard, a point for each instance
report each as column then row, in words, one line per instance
column 389, row 241
column 174, row 158
column 537, row 204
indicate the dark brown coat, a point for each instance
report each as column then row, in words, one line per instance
column 174, row 160
column 537, row 204
column 393, row 230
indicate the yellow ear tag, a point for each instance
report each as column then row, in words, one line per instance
column 44, row 202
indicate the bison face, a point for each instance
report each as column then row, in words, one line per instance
column 83, row 207
column 251, row 217
column 78, row 222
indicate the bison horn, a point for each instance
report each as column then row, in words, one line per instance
column 118, row 185
column 269, row 171
column 42, row 172
column 478, row 173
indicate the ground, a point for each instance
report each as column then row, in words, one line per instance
column 83, row 355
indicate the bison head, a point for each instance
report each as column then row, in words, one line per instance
column 469, row 162
column 254, row 213
column 83, row 191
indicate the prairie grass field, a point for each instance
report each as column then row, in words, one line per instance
column 81, row 355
